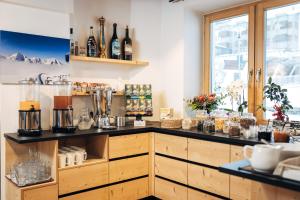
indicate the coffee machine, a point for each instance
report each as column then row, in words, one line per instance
column 29, row 108
column 102, row 100
column 63, row 110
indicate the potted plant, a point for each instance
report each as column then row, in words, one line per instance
column 236, row 93
column 279, row 98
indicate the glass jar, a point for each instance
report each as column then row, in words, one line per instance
column 63, row 94
column 235, row 117
column 220, row 117
column 234, row 129
column 264, row 132
column 208, row 126
column 226, row 127
column 186, row 124
column 281, row 135
column 247, row 120
column 85, row 121
column 201, row 116
column 29, row 95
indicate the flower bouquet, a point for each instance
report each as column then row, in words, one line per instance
column 205, row 102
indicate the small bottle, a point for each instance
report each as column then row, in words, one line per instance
column 76, row 51
column 72, row 45
column 91, row 44
column 115, row 48
column 127, row 46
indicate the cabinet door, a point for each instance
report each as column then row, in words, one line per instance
column 209, row 153
column 196, row 195
column 171, row 169
column 208, row 179
column 127, row 145
column 169, row 191
column 80, row 178
column 90, row 195
column 128, row 168
column 171, row 145
column 44, row 193
column 136, row 189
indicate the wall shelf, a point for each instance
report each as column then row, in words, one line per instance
column 109, row 61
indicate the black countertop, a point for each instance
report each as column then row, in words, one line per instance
column 151, row 127
column 235, row 169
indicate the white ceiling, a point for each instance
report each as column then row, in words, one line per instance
column 207, row 6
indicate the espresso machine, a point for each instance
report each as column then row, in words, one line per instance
column 63, row 110
column 102, row 101
column 29, row 108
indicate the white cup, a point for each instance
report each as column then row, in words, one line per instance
column 264, row 157
column 82, row 150
column 70, row 158
column 62, row 159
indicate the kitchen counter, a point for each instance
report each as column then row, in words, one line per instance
column 235, row 169
column 151, row 127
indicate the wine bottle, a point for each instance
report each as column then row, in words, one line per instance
column 127, row 46
column 72, row 46
column 115, row 47
column 91, row 44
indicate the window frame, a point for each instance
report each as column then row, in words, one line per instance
column 256, row 48
column 233, row 12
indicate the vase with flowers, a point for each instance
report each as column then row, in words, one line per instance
column 205, row 102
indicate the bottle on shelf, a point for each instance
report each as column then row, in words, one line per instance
column 115, row 47
column 72, row 44
column 127, row 46
column 102, row 45
column 91, row 44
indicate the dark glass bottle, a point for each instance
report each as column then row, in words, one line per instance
column 91, row 44
column 115, row 47
column 127, row 46
column 72, row 44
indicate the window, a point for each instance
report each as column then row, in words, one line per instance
column 252, row 43
column 229, row 54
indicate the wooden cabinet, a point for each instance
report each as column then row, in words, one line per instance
column 171, row 169
column 169, row 191
column 97, row 194
column 80, row 178
column 127, row 145
column 128, row 168
column 171, row 145
column 196, row 195
column 45, row 193
column 136, row 189
column 208, row 179
column 209, row 153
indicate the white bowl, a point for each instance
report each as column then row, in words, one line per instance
column 289, row 150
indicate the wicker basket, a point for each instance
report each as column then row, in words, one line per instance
column 171, row 123
column 289, row 168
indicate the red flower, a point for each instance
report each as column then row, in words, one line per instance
column 201, row 98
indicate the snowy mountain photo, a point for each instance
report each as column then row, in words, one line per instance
column 33, row 49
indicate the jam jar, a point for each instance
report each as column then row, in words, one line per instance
column 235, row 117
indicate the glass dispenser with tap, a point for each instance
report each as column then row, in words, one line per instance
column 63, row 110
column 29, row 108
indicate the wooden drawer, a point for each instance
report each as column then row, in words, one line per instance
column 196, row 195
column 171, row 145
column 90, row 195
column 236, row 153
column 128, row 168
column 127, row 145
column 45, row 193
column 240, row 188
column 171, row 169
column 208, row 179
column 79, row 178
column 169, row 191
column 136, row 189
column 209, row 153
